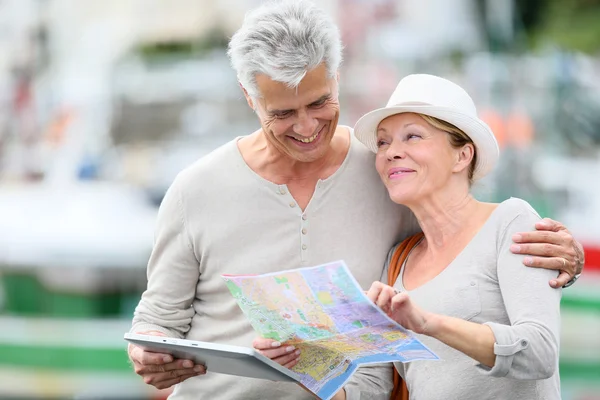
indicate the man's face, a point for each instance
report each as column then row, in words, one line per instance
column 299, row 122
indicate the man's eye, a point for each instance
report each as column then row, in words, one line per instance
column 318, row 103
column 413, row 136
column 381, row 142
column 282, row 115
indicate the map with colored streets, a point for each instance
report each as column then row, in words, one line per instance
column 323, row 312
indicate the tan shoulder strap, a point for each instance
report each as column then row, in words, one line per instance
column 400, row 255
column 400, row 391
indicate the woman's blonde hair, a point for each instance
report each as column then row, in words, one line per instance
column 456, row 137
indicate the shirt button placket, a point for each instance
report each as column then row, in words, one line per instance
column 304, row 238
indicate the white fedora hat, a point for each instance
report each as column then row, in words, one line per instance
column 439, row 98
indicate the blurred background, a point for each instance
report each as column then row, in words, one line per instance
column 103, row 102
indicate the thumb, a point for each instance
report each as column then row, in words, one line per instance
column 399, row 300
column 548, row 224
column 261, row 343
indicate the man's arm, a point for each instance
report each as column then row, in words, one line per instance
column 551, row 247
column 173, row 272
column 165, row 308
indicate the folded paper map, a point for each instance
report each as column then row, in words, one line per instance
column 324, row 312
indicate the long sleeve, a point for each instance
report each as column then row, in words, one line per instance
column 370, row 382
column 528, row 347
column 173, row 272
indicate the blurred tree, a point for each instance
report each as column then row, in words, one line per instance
column 571, row 24
column 530, row 13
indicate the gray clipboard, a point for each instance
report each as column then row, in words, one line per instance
column 219, row 358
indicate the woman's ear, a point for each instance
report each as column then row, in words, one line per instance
column 465, row 156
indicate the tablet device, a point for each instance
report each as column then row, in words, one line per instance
column 219, row 358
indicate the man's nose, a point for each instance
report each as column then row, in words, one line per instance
column 305, row 124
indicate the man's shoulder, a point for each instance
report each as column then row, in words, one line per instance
column 209, row 164
column 206, row 177
column 360, row 153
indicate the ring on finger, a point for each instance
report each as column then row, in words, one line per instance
column 564, row 263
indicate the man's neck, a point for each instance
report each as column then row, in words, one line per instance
column 276, row 167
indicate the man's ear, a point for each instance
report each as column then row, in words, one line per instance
column 247, row 96
column 465, row 155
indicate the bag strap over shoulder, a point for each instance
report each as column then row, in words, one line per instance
column 400, row 391
column 400, row 255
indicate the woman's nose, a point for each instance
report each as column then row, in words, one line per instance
column 395, row 151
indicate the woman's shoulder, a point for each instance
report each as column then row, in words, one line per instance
column 514, row 215
column 515, row 206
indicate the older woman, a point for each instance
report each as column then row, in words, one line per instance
column 494, row 324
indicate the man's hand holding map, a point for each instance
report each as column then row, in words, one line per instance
column 324, row 312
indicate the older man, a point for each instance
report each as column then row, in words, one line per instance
column 299, row 191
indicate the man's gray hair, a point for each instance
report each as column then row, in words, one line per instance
column 284, row 40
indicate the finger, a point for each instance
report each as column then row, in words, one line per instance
column 398, row 301
column 538, row 249
column 292, row 363
column 539, row 237
column 168, row 383
column 555, row 263
column 561, row 281
column 275, row 353
column 383, row 301
column 155, row 378
column 145, row 357
column 549, row 224
column 179, row 364
column 288, row 358
column 261, row 343
column 374, row 291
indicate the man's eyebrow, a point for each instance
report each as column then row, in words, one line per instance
column 275, row 112
column 319, row 100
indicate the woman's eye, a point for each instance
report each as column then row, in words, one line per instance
column 381, row 143
column 413, row 136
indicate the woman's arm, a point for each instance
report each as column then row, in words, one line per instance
column 475, row 340
column 525, row 349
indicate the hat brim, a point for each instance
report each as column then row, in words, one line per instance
column 480, row 133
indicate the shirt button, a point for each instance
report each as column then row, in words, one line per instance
column 282, row 191
column 304, row 231
column 303, row 217
column 304, row 247
column 292, row 204
column 473, row 283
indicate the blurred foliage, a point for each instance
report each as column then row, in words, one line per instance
column 569, row 24
column 572, row 24
column 170, row 50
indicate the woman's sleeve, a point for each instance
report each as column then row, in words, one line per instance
column 528, row 347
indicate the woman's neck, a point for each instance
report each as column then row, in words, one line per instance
column 445, row 219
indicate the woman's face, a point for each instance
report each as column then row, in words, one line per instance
column 414, row 159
